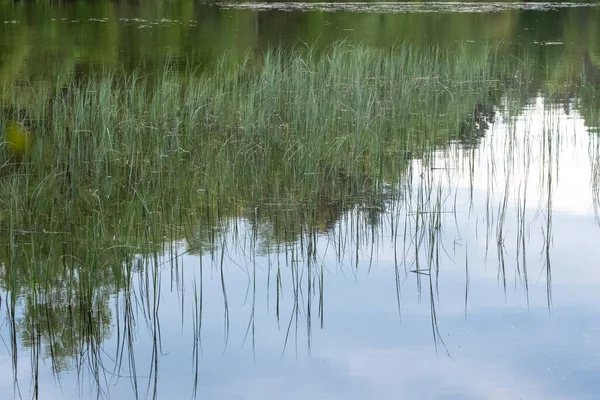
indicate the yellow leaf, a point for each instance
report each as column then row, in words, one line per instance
column 18, row 140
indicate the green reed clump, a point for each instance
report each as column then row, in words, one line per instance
column 137, row 158
column 125, row 163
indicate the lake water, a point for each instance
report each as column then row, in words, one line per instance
column 479, row 281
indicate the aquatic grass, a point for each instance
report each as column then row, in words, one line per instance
column 124, row 156
column 298, row 144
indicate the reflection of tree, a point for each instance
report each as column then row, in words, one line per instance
column 280, row 220
column 65, row 303
column 475, row 124
column 60, row 276
column 589, row 102
column 66, row 331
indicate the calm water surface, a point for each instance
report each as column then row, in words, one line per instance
column 73, row 37
column 480, row 283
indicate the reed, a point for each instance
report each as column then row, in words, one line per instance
column 296, row 142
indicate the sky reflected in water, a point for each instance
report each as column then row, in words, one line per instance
column 460, row 329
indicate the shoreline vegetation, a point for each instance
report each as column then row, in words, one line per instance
column 124, row 165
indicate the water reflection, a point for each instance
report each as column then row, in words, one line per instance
column 470, row 275
column 488, row 256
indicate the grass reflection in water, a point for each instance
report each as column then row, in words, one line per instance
column 274, row 157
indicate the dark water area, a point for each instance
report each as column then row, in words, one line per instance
column 469, row 273
column 70, row 38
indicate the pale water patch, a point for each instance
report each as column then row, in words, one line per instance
column 542, row 156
